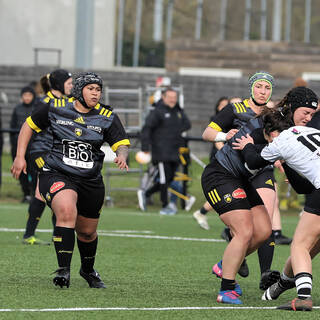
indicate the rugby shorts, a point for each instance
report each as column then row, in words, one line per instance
column 312, row 203
column 90, row 191
column 225, row 192
column 264, row 179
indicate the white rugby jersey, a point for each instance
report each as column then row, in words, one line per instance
column 300, row 148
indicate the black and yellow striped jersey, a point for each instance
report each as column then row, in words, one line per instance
column 42, row 142
column 77, row 137
column 233, row 116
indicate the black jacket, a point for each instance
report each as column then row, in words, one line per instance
column 162, row 132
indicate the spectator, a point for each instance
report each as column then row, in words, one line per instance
column 162, row 134
column 20, row 113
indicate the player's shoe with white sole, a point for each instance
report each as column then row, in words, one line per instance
column 274, row 291
column 142, row 200
column 189, row 203
column 228, row 296
column 201, row 219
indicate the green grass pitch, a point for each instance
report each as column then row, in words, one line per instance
column 155, row 267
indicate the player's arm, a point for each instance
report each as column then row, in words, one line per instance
column 220, row 128
column 119, row 142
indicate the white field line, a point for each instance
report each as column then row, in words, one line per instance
column 126, row 235
column 140, row 309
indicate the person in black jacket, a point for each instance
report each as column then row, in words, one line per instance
column 20, row 113
column 162, row 135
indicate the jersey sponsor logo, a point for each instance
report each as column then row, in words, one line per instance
column 214, row 196
column 77, row 154
column 239, row 194
column 78, row 132
column 95, row 128
column 64, row 122
column 227, row 198
column 57, row 186
column 269, row 182
column 79, row 120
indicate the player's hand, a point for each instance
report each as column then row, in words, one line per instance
column 278, row 164
column 231, row 133
column 240, row 143
column 19, row 165
column 121, row 163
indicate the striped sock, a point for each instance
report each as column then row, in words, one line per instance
column 304, row 285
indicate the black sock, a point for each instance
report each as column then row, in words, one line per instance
column 228, row 233
column 265, row 254
column 64, row 243
column 277, row 233
column 203, row 210
column 87, row 253
column 35, row 211
column 227, row 284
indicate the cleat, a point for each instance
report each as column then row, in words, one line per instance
column 226, row 235
column 93, row 279
column 282, row 240
column 244, row 269
column 217, row 269
column 228, row 296
column 62, row 278
column 142, row 200
column 201, row 219
column 297, row 305
column 274, row 291
column 189, row 203
column 268, row 278
column 33, row 240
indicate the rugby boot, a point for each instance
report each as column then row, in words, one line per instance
column 62, row 277
column 93, row 279
column 268, row 278
column 297, row 305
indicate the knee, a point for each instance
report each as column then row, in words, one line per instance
column 66, row 214
column 87, row 235
column 244, row 235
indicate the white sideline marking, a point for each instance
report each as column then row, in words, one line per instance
column 139, row 309
column 117, row 233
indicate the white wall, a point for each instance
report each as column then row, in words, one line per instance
column 26, row 24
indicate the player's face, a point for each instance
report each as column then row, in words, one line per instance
column 170, row 98
column 68, row 86
column 261, row 91
column 302, row 116
column 91, row 94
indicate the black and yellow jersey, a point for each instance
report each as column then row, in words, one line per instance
column 42, row 142
column 232, row 159
column 77, row 137
column 232, row 116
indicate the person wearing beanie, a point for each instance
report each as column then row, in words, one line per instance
column 298, row 146
column 71, row 180
column 222, row 127
column 57, row 86
column 20, row 113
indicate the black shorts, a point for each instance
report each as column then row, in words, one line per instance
column 37, row 161
column 312, row 204
column 90, row 192
column 264, row 179
column 225, row 192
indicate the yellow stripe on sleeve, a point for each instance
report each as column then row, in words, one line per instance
column 214, row 126
column 109, row 114
column 32, row 125
column 124, row 142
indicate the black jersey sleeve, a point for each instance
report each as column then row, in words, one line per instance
column 252, row 157
column 39, row 119
column 223, row 121
column 300, row 184
column 115, row 135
